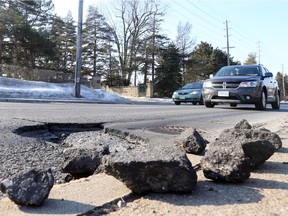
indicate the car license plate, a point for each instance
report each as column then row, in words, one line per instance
column 182, row 97
column 223, row 93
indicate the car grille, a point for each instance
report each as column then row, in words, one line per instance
column 225, row 98
column 182, row 93
column 225, row 85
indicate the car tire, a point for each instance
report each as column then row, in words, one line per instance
column 233, row 104
column 276, row 104
column 194, row 103
column 209, row 104
column 261, row 104
column 201, row 102
column 177, row 103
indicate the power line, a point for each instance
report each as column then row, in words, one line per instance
column 208, row 14
column 208, row 28
column 259, row 53
column 228, row 46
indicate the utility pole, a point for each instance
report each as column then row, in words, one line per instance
column 153, row 57
column 78, row 51
column 228, row 47
column 259, row 52
column 283, row 82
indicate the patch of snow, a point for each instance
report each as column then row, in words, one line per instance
column 15, row 88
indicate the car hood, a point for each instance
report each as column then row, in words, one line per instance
column 187, row 90
column 234, row 79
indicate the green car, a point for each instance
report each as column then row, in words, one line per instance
column 189, row 93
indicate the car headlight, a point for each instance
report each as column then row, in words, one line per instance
column 249, row 84
column 207, row 84
column 194, row 92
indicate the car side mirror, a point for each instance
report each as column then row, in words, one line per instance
column 268, row 74
column 211, row 76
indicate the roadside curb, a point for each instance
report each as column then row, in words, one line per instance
column 28, row 100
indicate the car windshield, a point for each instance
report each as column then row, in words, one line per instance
column 238, row 71
column 193, row 86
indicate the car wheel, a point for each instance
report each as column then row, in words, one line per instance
column 276, row 104
column 209, row 104
column 177, row 103
column 201, row 101
column 194, row 103
column 261, row 104
column 233, row 105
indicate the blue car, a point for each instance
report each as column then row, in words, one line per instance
column 189, row 93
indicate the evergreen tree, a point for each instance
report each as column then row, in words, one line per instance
column 63, row 37
column 205, row 60
column 149, row 53
column 283, row 85
column 6, row 25
column 97, row 48
column 112, row 75
column 25, row 39
column 168, row 73
column 32, row 34
column 68, row 44
column 200, row 65
column 251, row 59
column 56, row 37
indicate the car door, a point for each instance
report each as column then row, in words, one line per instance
column 270, row 84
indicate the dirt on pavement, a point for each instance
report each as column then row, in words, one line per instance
column 265, row 193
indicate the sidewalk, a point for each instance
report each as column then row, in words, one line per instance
column 52, row 100
column 71, row 198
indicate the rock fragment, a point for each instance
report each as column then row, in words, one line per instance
column 191, row 141
column 226, row 162
column 154, row 168
column 29, row 188
column 237, row 152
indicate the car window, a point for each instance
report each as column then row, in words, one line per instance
column 238, row 71
column 193, row 86
column 266, row 70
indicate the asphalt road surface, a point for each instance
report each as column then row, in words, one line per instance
column 161, row 118
column 156, row 121
column 144, row 115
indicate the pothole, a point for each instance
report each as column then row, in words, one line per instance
column 73, row 150
column 56, row 132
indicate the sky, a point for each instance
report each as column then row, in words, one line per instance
column 254, row 26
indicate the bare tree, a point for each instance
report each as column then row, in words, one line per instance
column 184, row 43
column 133, row 26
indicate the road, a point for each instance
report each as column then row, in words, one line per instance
column 158, row 121
column 145, row 117
column 146, row 114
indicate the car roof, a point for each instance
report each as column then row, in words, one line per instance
column 247, row 65
column 194, row 82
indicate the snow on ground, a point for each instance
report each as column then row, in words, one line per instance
column 16, row 88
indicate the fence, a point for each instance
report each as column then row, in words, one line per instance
column 141, row 90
